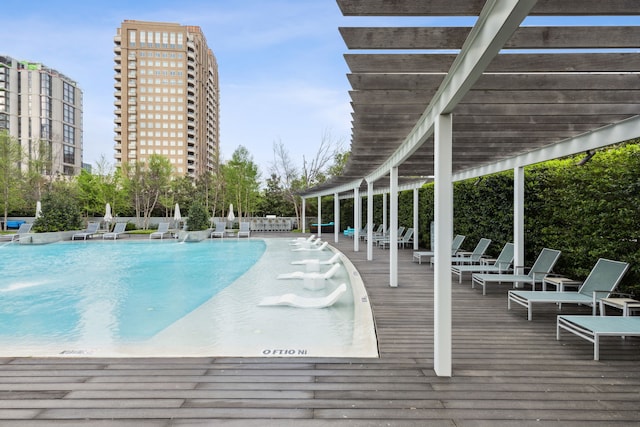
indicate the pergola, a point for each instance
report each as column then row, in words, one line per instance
column 478, row 100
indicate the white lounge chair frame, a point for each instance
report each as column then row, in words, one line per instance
column 25, row 228
column 92, row 228
column 502, row 264
column 118, row 229
column 592, row 328
column 163, row 228
column 244, row 230
column 294, row 300
column 455, row 247
column 601, row 281
column 543, row 265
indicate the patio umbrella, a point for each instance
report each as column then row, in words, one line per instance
column 231, row 216
column 107, row 213
column 176, row 215
column 38, row 209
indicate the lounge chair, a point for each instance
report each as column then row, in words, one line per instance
column 540, row 268
column 294, row 300
column 455, row 247
column 403, row 240
column 502, row 264
column 313, row 248
column 163, row 228
column 335, row 258
column 312, row 275
column 591, row 328
column 24, row 228
column 244, row 230
column 302, row 240
column 475, row 257
column 119, row 229
column 385, row 238
column 92, row 229
column 219, row 230
column 601, row 281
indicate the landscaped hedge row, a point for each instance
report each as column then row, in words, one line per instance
column 587, row 212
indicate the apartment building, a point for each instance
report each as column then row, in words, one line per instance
column 166, row 97
column 42, row 109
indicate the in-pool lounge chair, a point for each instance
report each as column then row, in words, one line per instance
column 24, row 228
column 335, row 258
column 219, row 230
column 591, row 328
column 294, row 300
column 540, row 268
column 311, row 275
column 502, row 264
column 302, row 240
column 456, row 243
column 319, row 247
column 601, row 281
column 244, row 230
column 163, row 228
column 118, row 229
column 92, row 228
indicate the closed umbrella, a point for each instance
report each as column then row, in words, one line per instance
column 231, row 216
column 38, row 209
column 176, row 215
column 107, row 213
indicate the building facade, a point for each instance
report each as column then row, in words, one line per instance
column 166, row 97
column 42, row 109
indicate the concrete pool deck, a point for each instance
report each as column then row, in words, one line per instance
column 506, row 371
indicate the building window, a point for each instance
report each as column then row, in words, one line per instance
column 69, row 155
column 68, row 136
column 68, row 93
column 132, row 38
column 68, row 114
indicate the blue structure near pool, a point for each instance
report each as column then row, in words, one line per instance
column 326, row 228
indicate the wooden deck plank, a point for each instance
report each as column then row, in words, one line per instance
column 505, row 370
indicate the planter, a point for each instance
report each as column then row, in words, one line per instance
column 193, row 236
column 50, row 237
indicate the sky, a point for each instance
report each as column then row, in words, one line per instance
column 281, row 66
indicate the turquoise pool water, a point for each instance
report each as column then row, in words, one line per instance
column 170, row 299
column 133, row 290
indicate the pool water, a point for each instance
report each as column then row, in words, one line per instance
column 151, row 298
column 129, row 290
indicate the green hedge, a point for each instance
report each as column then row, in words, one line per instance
column 587, row 212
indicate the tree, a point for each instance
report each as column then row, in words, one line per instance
column 60, row 209
column 241, row 179
column 146, row 182
column 198, row 217
column 10, row 176
column 313, row 172
column 274, row 200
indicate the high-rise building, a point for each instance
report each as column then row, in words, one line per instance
column 166, row 97
column 42, row 109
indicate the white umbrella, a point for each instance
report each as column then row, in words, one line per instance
column 107, row 213
column 38, row 209
column 231, row 216
column 176, row 213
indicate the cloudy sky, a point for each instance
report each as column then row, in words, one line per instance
column 282, row 73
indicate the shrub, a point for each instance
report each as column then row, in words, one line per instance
column 60, row 212
column 198, row 217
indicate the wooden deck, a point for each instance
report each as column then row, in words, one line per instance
column 506, row 371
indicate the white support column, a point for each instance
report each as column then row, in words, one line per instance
column 518, row 215
column 319, row 216
column 415, row 218
column 393, row 229
column 303, row 226
column 336, row 217
column 356, row 219
column 370, row 221
column 443, row 237
column 385, row 224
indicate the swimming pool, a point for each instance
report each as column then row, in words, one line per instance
column 142, row 298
